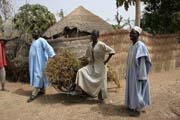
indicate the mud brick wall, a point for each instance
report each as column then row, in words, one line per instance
column 163, row 49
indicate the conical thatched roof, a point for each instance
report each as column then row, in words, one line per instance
column 81, row 18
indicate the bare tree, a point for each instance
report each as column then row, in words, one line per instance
column 5, row 9
column 118, row 18
column 61, row 14
column 127, row 3
column 120, row 22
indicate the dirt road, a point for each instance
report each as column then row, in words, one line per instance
column 165, row 98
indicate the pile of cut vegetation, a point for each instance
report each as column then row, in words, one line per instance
column 61, row 70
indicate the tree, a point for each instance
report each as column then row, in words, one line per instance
column 5, row 9
column 127, row 3
column 61, row 14
column 161, row 16
column 32, row 17
column 120, row 23
column 118, row 18
column 1, row 22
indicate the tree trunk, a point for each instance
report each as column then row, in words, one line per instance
column 138, row 13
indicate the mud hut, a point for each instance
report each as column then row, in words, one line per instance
column 79, row 22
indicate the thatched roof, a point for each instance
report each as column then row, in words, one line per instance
column 81, row 18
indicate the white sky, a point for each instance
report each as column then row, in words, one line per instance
column 106, row 9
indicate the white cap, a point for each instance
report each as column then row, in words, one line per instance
column 138, row 29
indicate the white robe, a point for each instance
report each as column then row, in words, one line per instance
column 93, row 77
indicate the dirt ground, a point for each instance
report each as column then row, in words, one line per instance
column 165, row 102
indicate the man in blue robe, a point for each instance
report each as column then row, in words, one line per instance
column 39, row 53
column 137, row 94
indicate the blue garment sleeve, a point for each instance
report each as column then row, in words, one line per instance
column 142, row 52
column 142, row 69
column 47, row 47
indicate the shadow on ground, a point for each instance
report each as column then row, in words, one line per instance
column 111, row 110
column 66, row 99
column 23, row 92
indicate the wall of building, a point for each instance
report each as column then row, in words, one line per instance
column 164, row 49
column 77, row 45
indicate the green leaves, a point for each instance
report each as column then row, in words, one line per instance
column 126, row 3
column 32, row 17
column 161, row 16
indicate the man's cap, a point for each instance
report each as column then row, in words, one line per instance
column 138, row 29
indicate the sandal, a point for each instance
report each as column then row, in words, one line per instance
column 31, row 98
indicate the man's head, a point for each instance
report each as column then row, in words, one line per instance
column 95, row 35
column 35, row 34
column 134, row 34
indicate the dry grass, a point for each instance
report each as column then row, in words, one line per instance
column 62, row 69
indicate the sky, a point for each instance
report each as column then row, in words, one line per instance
column 106, row 9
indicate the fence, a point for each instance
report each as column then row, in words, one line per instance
column 164, row 49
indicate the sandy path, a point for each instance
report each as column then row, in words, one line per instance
column 165, row 96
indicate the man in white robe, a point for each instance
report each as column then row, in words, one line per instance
column 92, row 78
column 39, row 53
column 137, row 94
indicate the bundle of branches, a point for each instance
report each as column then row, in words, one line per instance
column 61, row 70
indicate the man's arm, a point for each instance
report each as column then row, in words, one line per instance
column 6, row 40
column 1, row 39
column 109, row 57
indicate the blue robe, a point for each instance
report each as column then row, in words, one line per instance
column 39, row 52
column 137, row 94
